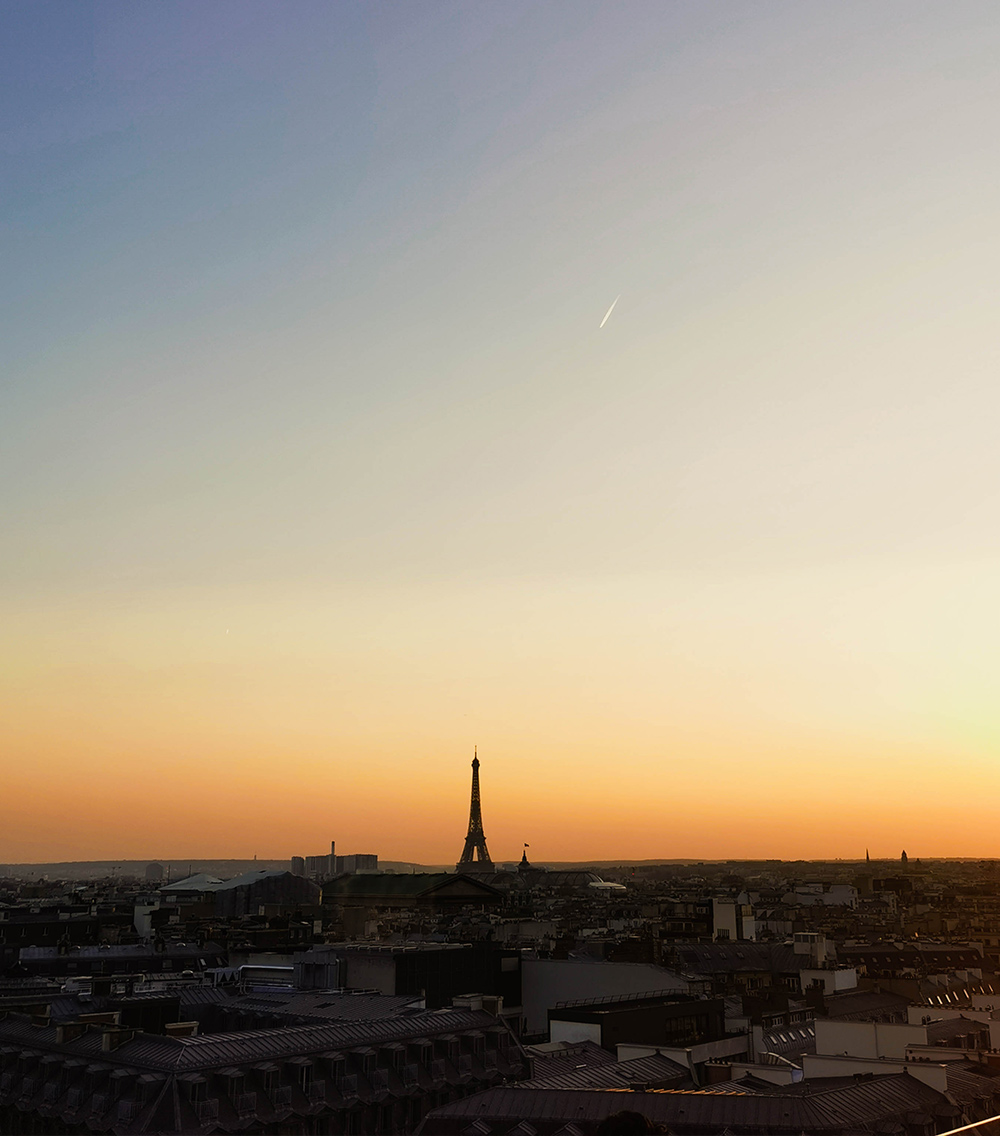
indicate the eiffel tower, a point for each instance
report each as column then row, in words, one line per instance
column 475, row 842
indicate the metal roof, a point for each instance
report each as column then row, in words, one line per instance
column 199, row 882
column 724, row 958
column 551, row 1059
column 390, row 884
column 328, row 1006
column 856, row 1003
column 655, row 1071
column 951, row 1029
column 971, row 1081
column 850, row 1109
column 211, row 1051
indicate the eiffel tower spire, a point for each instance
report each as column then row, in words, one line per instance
column 475, row 856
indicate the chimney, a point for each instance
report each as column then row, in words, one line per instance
column 115, row 1037
column 106, row 1017
column 181, row 1029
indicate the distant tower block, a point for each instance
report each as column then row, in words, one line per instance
column 475, row 855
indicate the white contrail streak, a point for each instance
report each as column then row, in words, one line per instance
column 610, row 310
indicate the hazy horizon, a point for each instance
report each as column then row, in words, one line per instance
column 396, row 866
column 318, row 469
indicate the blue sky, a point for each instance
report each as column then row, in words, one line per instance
column 299, row 329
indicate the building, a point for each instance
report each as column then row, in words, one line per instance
column 437, row 972
column 355, row 863
column 584, row 1065
column 551, row 982
column 114, row 959
column 670, row 1020
column 892, row 1104
column 246, row 894
column 326, row 866
column 316, row 867
column 364, row 1076
column 362, row 897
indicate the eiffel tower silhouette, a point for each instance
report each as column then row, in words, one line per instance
column 475, row 855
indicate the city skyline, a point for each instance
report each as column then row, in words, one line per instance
column 880, row 856
column 323, row 461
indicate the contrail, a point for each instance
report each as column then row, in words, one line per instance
column 610, row 310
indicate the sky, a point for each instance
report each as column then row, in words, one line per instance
column 317, row 469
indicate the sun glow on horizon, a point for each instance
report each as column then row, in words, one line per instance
column 317, row 471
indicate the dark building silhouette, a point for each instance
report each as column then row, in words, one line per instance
column 645, row 1019
column 379, row 1075
column 438, row 972
column 893, row 1103
column 326, row 866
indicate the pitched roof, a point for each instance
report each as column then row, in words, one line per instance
column 402, row 885
column 945, row 1030
column 853, row 1108
column 199, row 882
column 160, row 1053
column 551, row 1059
column 724, row 958
column 656, row 1071
column 859, row 1003
column 330, row 1007
column 253, row 877
column 970, row 1081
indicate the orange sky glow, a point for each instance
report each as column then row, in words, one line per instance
column 319, row 468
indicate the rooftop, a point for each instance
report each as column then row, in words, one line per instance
column 159, row 1053
column 847, row 1109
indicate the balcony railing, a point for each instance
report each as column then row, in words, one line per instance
column 207, row 1110
column 128, row 1110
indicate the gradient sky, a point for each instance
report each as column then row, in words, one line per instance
column 316, row 469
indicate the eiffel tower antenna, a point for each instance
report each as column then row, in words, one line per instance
column 475, row 855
